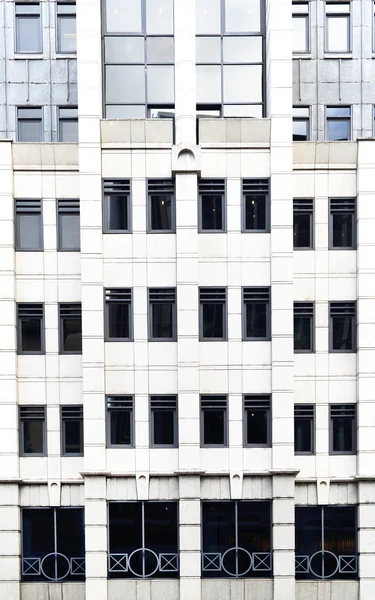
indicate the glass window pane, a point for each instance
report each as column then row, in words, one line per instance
column 342, row 434
column 118, row 320
column 160, row 85
column 301, row 230
column 338, row 130
column 159, row 17
column 30, row 130
column 163, row 421
column 68, row 130
column 72, row 334
column 162, row 320
column 243, row 110
column 29, row 230
column 214, row 427
column 117, row 213
column 301, row 111
column 257, row 426
column 125, row 112
column 207, row 16
column 212, row 217
column 213, row 320
column 300, row 131
column 342, row 230
column 31, row 334
column 208, row 49
column 69, row 232
column 338, row 111
column 161, row 517
column 340, row 530
column 302, row 435
column 67, row 33
column 28, row 34
column 160, row 50
column 302, row 333
column 308, row 526
column 342, row 328
column 73, row 430
column 161, row 213
column 125, row 83
column 70, row 533
column 124, row 50
column 209, row 85
column 256, row 320
column 242, row 49
column 125, row 526
column 37, row 534
column 218, row 527
column 120, row 427
column 254, row 526
column 255, row 213
column 124, row 16
column 242, row 83
column 242, row 16
column 300, row 34
column 33, row 434
column 338, row 34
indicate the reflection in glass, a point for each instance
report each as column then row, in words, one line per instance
column 159, row 17
column 208, row 85
column 125, row 83
column 242, row 83
column 207, row 16
column 161, row 212
column 338, row 131
column 255, row 213
column 242, row 49
column 124, row 16
column 242, row 16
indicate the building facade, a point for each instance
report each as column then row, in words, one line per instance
column 186, row 317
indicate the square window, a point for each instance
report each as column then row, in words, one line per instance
column 163, row 421
column 211, row 205
column 213, row 314
column 214, row 421
column 72, row 430
column 30, row 125
column 304, row 428
column 70, row 332
column 256, row 313
column 66, row 28
column 162, row 315
column 28, row 29
column 343, row 429
column 303, row 327
column 257, row 420
column 161, row 206
column 342, row 221
column 29, row 226
column 30, row 329
column 303, row 223
column 255, row 194
column 116, row 205
column 342, row 327
column 68, row 225
column 33, row 431
column 120, row 421
column 118, row 315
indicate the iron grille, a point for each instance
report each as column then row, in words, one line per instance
column 70, row 310
column 214, row 187
column 28, row 206
column 261, row 401
column 32, row 412
column 117, row 187
column 30, row 310
column 162, row 295
column 258, row 294
column 255, row 187
column 160, row 186
column 342, row 410
column 120, row 402
column 72, row 412
column 214, row 402
column 118, row 295
column 342, row 309
column 303, row 205
column 68, row 206
column 304, row 410
column 163, row 402
column 212, row 294
column 304, row 309
column 342, row 205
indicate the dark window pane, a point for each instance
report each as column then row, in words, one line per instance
column 212, row 217
column 342, row 230
column 302, row 333
column 302, row 230
column 161, row 212
column 256, row 319
column 33, row 434
column 255, row 217
column 73, row 436
column 342, row 434
column 338, row 130
column 257, row 421
column 120, row 425
column 300, row 131
column 302, row 435
column 213, row 320
column 70, row 533
column 162, row 320
column 37, row 532
column 163, row 421
column 254, row 526
column 342, row 333
column 72, row 334
column 29, row 231
column 31, row 334
column 125, row 527
column 118, row 320
column 117, row 218
column 68, row 131
column 214, row 427
column 69, row 238
column 340, row 530
column 161, row 526
column 218, row 527
column 308, row 527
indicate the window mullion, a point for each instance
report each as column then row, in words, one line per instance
column 143, row 541
column 55, row 540
column 236, row 532
column 323, row 573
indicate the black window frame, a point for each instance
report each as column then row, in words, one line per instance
column 258, row 188
column 256, row 295
column 340, row 310
column 212, row 188
column 305, row 310
column 34, row 311
column 69, row 310
column 71, row 412
column 162, row 296
column 117, row 187
column 25, row 206
column 215, row 402
column 305, row 412
column 343, row 411
column 343, row 206
column 119, row 403
column 304, row 206
column 118, row 296
column 257, row 402
column 213, row 295
column 32, row 412
column 162, row 187
column 69, row 207
column 160, row 402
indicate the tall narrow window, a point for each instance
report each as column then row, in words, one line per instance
column 30, row 124
column 28, row 28
column 257, row 420
column 338, row 123
column 118, row 315
column 212, row 314
column 337, row 37
column 301, row 27
column 30, row 329
column 29, row 226
column 214, row 421
column 68, row 124
column 68, row 225
column 66, row 28
column 342, row 223
column 301, row 123
column 211, row 205
column 256, row 313
column 342, row 327
column 163, row 421
column 120, row 421
column 33, row 431
column 343, row 429
column 255, row 205
column 303, row 223
column 162, row 314
column 72, row 430
column 70, row 328
column 304, row 428
column 303, row 327
column 116, row 205
column 161, row 206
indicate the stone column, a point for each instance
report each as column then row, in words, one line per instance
column 96, row 537
column 190, row 538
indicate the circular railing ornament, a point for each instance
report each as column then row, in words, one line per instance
column 57, row 556
column 321, row 554
column 143, row 550
column 237, row 550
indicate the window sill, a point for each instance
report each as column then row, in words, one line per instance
column 65, row 56
column 302, row 55
column 36, row 56
column 346, row 55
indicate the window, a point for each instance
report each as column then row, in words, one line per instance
column 30, row 125
column 236, row 539
column 68, row 225
column 53, row 544
column 342, row 223
column 211, row 205
column 342, row 429
column 28, row 28
column 301, row 123
column 120, row 421
column 257, row 313
column 212, row 314
column 72, row 430
column 256, row 216
column 66, row 28
column 118, row 315
column 70, row 329
column 326, row 542
column 338, row 123
column 116, row 205
column 161, row 206
column 162, row 314
column 342, row 327
column 68, row 124
column 29, row 229
column 257, row 420
column 214, row 421
column 337, row 35
column 304, row 429
column 303, row 223
column 30, row 329
column 143, row 540
column 33, row 439
column 163, row 421
column 301, row 27
column 304, row 327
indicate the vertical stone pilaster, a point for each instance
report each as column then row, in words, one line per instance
column 185, row 79
column 283, row 536
column 190, row 538
column 96, row 537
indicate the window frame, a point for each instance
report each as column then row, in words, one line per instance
column 333, row 119
column 150, row 315
column 354, row 422
column 67, row 206
column 331, row 212
column 42, row 330
column 268, row 313
column 225, row 314
column 333, row 15
column 63, row 419
column 61, row 337
column 311, row 318
column 245, row 410
column 307, row 18
column 40, row 119
column 105, row 203
column 202, row 410
column 131, row 409
column 21, row 421
column 298, row 209
column 64, row 119
column 223, row 194
column 107, row 337
column 354, row 328
column 302, row 119
column 267, row 195
column 312, row 421
column 152, row 411
column 149, row 210
column 71, row 15
column 20, row 209
column 28, row 16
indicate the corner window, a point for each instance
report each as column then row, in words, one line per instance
column 163, row 421
column 30, row 329
column 120, row 421
column 118, row 315
column 255, row 211
column 33, row 440
column 28, row 28
column 66, row 28
column 212, row 314
column 342, row 223
column 236, row 539
column 304, row 327
column 337, row 34
column 68, row 226
column 301, row 123
column 53, row 544
column 303, row 223
column 143, row 540
column 29, row 226
column 338, row 123
column 70, row 328
column 301, row 27
column 214, row 421
column 30, row 125
column 162, row 315
column 116, row 205
column 68, row 124
column 256, row 313
column 161, row 206
column 257, row 420
column 304, row 429
column 211, row 205
column 72, row 430
column 342, row 429
column 342, row 327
